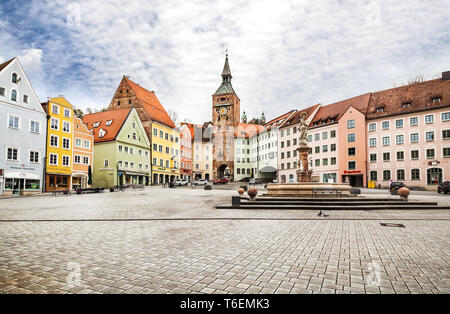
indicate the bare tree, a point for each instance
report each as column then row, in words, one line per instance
column 420, row 78
column 79, row 113
column 173, row 116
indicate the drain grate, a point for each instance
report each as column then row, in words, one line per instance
column 392, row 225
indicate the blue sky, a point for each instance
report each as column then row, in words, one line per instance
column 283, row 54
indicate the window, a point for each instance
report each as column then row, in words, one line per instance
column 310, row 138
column 325, row 162
column 445, row 134
column 400, row 175
column 34, row 126
column 399, row 123
column 386, row 141
column 317, row 137
column 25, row 99
column 373, row 157
column 351, row 151
column 34, row 157
column 386, row 175
column 317, row 162
column 12, row 154
column 445, row 116
column 161, row 134
column 429, row 119
column 66, row 161
column 431, row 153
column 372, row 127
column 53, row 159
column 66, row 143
column 373, row 142
column 96, row 125
column 446, row 152
column 13, row 122
column 66, row 113
column 167, row 136
column 317, row 149
column 332, row 134
column 351, row 137
column 155, row 132
column 333, row 161
column 155, row 162
column 406, row 105
column 414, row 154
column 109, row 122
column 325, row 135
column 131, row 150
column 54, row 141
column 14, row 78
column 351, row 165
column 414, row 137
column 77, row 142
column 66, row 126
column 414, row 121
column 415, row 174
column 400, row 139
column 325, row 148
column 373, row 176
column 131, row 165
column 436, row 100
column 54, row 124
column 14, row 95
column 86, row 160
column 333, row 147
column 350, row 124
column 2, row 91
column 386, row 157
column 55, row 109
column 77, row 159
column 400, row 156
column 101, row 133
column 429, row 136
column 106, row 163
column 385, row 125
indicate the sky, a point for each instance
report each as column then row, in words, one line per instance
column 283, row 54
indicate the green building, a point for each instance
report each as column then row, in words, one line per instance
column 121, row 149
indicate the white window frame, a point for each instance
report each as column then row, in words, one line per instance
column 68, row 139
column 84, row 144
column 35, row 122
column 29, row 156
column 76, row 140
column 106, row 163
column 57, row 144
column 51, row 123
column 50, row 159
column 75, row 159
column 18, row 154
column 428, row 115
column 442, row 117
column 67, row 110
column 88, row 160
column 417, row 118
column 70, row 127
column 57, row 109
column 18, row 122
column 62, row 161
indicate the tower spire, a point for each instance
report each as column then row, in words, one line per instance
column 226, row 74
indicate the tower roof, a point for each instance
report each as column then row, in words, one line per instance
column 226, row 69
column 225, row 87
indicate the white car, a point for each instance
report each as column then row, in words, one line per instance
column 201, row 182
column 181, row 183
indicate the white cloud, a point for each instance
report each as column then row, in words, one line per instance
column 31, row 59
column 283, row 54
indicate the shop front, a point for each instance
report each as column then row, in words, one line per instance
column 57, row 182
column 20, row 183
column 354, row 178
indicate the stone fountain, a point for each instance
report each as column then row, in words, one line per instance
column 304, row 186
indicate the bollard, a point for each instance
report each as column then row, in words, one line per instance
column 236, row 201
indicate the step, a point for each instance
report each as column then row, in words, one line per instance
column 359, row 199
column 334, row 207
column 336, row 203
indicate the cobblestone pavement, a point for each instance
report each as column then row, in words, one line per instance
column 134, row 242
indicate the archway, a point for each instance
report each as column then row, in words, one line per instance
column 223, row 171
column 155, row 178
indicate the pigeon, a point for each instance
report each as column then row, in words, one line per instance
column 325, row 215
column 320, row 214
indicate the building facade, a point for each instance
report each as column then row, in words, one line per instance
column 121, row 149
column 23, row 131
column 186, row 153
column 59, row 144
column 202, row 150
column 83, row 155
column 408, row 131
column 160, row 129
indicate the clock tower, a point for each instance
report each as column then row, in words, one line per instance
column 225, row 118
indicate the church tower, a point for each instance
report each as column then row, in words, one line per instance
column 226, row 115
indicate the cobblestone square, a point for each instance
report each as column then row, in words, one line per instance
column 175, row 241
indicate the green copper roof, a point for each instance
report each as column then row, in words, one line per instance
column 225, row 88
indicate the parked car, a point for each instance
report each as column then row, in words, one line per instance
column 221, row 181
column 201, row 182
column 181, row 183
column 255, row 181
column 444, row 188
column 395, row 186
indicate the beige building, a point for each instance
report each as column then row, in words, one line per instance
column 202, row 151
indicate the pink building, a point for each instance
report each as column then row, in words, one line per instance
column 288, row 144
column 409, row 134
column 338, row 142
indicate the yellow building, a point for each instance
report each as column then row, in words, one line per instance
column 59, row 144
column 165, row 153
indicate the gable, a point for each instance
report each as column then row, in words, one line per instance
column 127, row 130
column 23, row 87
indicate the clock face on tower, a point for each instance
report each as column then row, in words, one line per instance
column 222, row 111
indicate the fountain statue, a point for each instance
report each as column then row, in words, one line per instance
column 303, row 173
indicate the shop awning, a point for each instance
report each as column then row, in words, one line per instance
column 22, row 175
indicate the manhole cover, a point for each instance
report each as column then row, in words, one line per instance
column 392, row 225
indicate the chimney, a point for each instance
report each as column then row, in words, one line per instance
column 446, row 76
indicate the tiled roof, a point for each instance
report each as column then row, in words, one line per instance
column 332, row 113
column 295, row 118
column 151, row 104
column 5, row 64
column 410, row 98
column 245, row 130
column 118, row 118
column 278, row 120
column 225, row 88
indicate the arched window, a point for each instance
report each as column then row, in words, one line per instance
column 14, row 95
column 14, row 78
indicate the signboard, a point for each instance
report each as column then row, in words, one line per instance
column 434, row 163
column 352, row 172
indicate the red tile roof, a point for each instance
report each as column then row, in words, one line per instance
column 117, row 116
column 295, row 118
column 332, row 113
column 417, row 97
column 278, row 120
column 151, row 104
column 245, row 130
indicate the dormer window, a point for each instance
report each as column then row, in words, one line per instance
column 380, row 109
column 15, row 78
column 436, row 100
column 406, row 105
column 101, row 133
column 96, row 124
column 108, row 123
